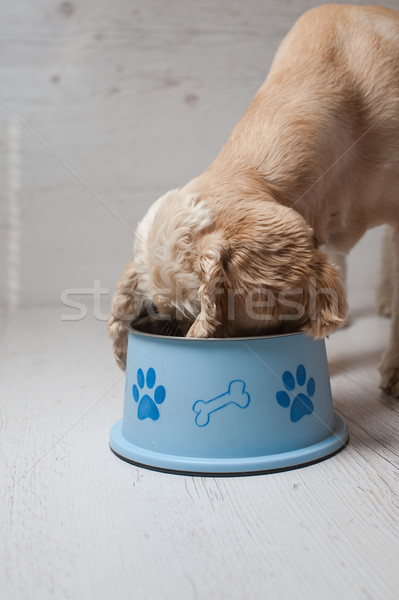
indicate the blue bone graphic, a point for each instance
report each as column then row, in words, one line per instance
column 236, row 394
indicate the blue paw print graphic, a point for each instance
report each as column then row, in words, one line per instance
column 148, row 408
column 301, row 404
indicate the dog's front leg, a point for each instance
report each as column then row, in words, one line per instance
column 389, row 366
column 338, row 259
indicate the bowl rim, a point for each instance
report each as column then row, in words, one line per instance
column 214, row 339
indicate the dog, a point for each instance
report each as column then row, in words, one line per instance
column 257, row 243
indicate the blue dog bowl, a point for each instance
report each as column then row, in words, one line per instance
column 227, row 406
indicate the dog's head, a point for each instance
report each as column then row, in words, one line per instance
column 235, row 270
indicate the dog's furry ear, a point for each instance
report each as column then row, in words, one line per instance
column 326, row 303
column 125, row 308
column 211, row 267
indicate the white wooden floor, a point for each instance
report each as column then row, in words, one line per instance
column 77, row 522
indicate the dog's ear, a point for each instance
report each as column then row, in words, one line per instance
column 211, row 267
column 325, row 297
column 126, row 307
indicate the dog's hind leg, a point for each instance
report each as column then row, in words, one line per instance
column 389, row 366
column 385, row 287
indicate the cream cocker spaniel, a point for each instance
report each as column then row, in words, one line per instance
column 312, row 164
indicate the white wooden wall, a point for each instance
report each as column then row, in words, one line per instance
column 105, row 105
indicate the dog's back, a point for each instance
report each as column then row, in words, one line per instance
column 324, row 127
column 353, row 48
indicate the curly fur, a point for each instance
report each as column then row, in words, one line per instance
column 313, row 162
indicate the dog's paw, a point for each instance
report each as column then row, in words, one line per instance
column 384, row 306
column 384, row 301
column 389, row 371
